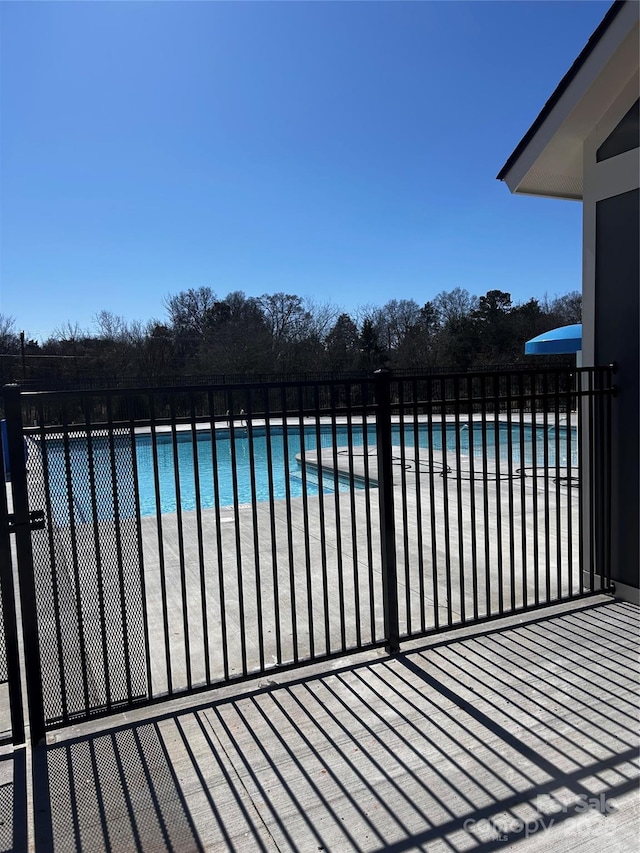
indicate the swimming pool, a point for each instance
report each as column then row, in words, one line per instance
column 70, row 473
column 286, row 472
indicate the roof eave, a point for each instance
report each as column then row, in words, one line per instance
column 548, row 159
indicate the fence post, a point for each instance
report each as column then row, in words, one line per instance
column 22, row 528
column 382, row 383
column 9, row 608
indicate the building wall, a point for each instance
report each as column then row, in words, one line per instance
column 617, row 273
column 611, row 319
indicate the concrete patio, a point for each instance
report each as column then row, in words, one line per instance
column 523, row 734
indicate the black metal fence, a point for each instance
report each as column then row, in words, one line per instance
column 195, row 536
column 97, row 382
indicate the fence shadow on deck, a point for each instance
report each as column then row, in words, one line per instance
column 459, row 744
column 13, row 801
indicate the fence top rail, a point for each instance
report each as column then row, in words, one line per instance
column 400, row 378
column 490, row 407
column 108, row 380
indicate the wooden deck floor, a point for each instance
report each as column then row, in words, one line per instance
column 524, row 734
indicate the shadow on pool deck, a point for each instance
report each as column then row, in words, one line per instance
column 526, row 729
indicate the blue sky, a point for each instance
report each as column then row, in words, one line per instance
column 341, row 151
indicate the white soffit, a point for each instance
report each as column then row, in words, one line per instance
column 551, row 163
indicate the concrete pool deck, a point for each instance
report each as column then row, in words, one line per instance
column 240, row 424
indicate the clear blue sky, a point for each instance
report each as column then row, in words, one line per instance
column 341, row 151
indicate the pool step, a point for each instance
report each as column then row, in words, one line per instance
column 313, row 484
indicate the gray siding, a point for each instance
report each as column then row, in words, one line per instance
column 624, row 137
column 617, row 334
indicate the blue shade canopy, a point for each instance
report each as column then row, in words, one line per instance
column 564, row 339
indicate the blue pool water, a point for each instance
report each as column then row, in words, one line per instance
column 285, row 470
column 114, row 480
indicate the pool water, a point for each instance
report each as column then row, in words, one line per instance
column 286, row 472
column 114, row 481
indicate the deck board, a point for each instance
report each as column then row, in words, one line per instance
column 518, row 729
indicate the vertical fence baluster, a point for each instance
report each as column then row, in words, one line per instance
column 140, row 549
column 608, row 393
column 602, row 480
column 534, row 480
column 498, row 449
column 336, row 504
column 273, row 531
column 98, row 550
column 568, row 402
column 287, row 497
column 219, row 553
column 364, row 388
column 200, row 537
column 160, row 536
column 432, row 503
column 418, row 489
column 53, row 568
column 238, row 539
column 75, row 574
column 352, row 506
column 254, row 522
column 116, row 498
column 523, row 487
column 405, row 515
column 305, row 518
column 472, row 495
column 387, row 519
column 321, row 519
column 460, row 521
column 485, row 499
column 546, row 468
column 582, row 473
column 512, row 547
column 556, row 409
column 594, row 536
column 444, row 384
column 181, row 551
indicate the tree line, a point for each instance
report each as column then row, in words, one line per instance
column 204, row 335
